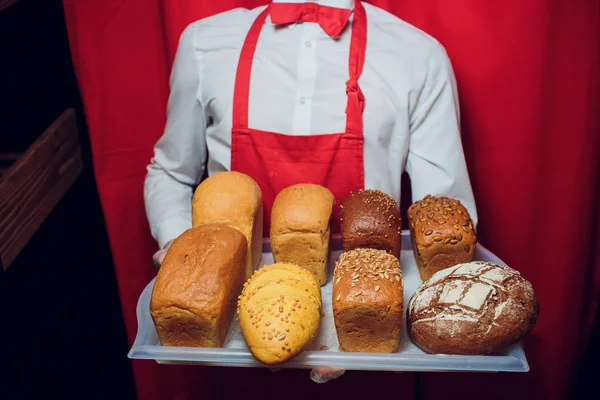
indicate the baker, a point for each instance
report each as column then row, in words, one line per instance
column 333, row 92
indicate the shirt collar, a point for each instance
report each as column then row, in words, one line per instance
column 349, row 4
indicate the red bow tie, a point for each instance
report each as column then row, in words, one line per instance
column 331, row 19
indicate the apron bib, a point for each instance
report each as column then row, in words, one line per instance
column 275, row 160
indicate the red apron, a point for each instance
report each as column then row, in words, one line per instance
column 276, row 161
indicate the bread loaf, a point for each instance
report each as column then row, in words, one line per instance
column 371, row 219
column 442, row 234
column 279, row 312
column 471, row 309
column 234, row 199
column 368, row 301
column 194, row 295
column 300, row 228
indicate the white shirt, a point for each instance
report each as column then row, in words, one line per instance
column 411, row 116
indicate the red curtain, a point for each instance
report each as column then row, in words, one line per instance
column 528, row 74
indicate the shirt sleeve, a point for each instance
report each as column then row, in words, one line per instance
column 435, row 161
column 180, row 154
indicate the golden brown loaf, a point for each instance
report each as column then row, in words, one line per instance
column 473, row 308
column 368, row 301
column 442, row 234
column 371, row 219
column 279, row 312
column 234, row 199
column 300, row 227
column 194, row 295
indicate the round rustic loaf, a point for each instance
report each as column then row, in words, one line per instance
column 471, row 309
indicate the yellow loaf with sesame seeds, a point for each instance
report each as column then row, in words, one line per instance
column 279, row 312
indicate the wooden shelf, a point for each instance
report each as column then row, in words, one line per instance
column 35, row 183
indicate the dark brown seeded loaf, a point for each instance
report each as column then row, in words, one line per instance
column 371, row 219
column 442, row 234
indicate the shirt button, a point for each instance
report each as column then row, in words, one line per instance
column 308, row 43
column 302, row 100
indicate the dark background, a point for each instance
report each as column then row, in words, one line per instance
column 61, row 330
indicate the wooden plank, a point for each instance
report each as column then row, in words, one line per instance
column 36, row 182
column 4, row 4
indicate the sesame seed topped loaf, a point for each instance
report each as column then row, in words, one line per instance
column 279, row 312
column 300, row 227
column 368, row 301
column 371, row 219
column 442, row 234
column 474, row 308
column 234, row 199
column 194, row 295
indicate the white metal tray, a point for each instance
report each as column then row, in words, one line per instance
column 409, row 357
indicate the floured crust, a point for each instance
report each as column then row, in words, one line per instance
column 442, row 234
column 473, row 308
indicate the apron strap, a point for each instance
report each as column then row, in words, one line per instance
column 355, row 103
column 358, row 45
column 241, row 91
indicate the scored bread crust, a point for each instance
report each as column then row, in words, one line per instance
column 194, row 295
column 368, row 301
column 371, row 219
column 234, row 199
column 474, row 308
column 279, row 312
column 300, row 227
column 442, row 234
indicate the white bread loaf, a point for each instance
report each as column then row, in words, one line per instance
column 233, row 199
column 300, row 228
